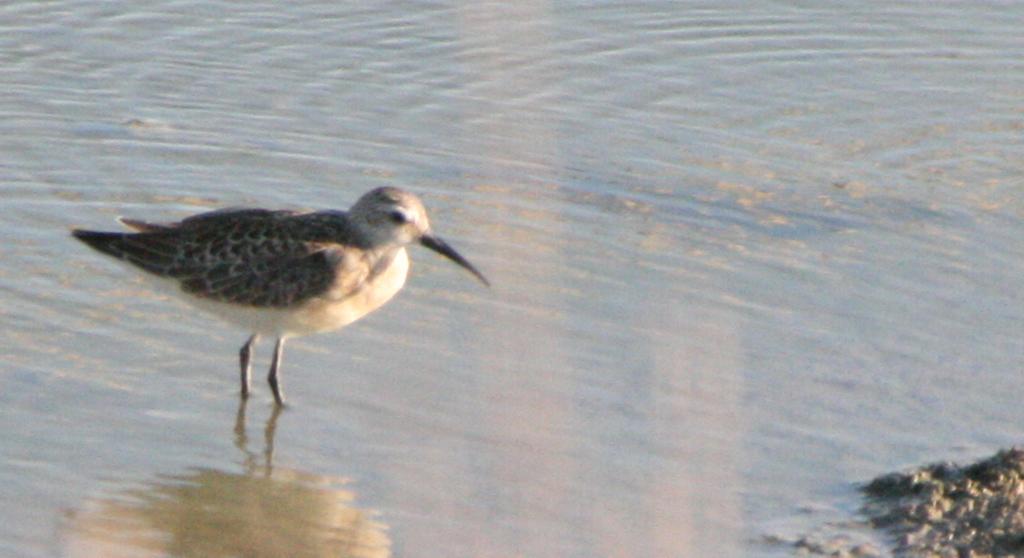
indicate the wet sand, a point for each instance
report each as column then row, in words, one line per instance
column 944, row 509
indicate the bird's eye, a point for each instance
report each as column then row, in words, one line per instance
column 397, row 217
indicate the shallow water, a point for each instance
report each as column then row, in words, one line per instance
column 745, row 256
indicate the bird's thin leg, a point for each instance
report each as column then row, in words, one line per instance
column 244, row 357
column 275, row 365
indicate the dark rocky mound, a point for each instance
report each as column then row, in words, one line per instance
column 944, row 510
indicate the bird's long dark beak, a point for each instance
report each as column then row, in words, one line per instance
column 441, row 247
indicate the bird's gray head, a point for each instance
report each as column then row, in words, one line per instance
column 389, row 216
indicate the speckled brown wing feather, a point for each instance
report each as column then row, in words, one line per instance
column 277, row 283
column 252, row 257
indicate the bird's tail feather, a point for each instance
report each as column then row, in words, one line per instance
column 109, row 243
column 149, row 251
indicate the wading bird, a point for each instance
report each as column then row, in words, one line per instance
column 283, row 273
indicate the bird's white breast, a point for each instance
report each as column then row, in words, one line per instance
column 329, row 312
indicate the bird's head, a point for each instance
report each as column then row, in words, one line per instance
column 390, row 216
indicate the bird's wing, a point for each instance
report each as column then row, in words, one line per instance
column 204, row 240
column 254, row 257
column 278, row 282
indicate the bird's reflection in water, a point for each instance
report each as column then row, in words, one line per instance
column 260, row 512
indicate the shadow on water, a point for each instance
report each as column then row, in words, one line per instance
column 261, row 511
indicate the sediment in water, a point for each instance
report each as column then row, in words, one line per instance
column 943, row 509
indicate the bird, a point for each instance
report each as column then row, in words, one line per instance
column 282, row 273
